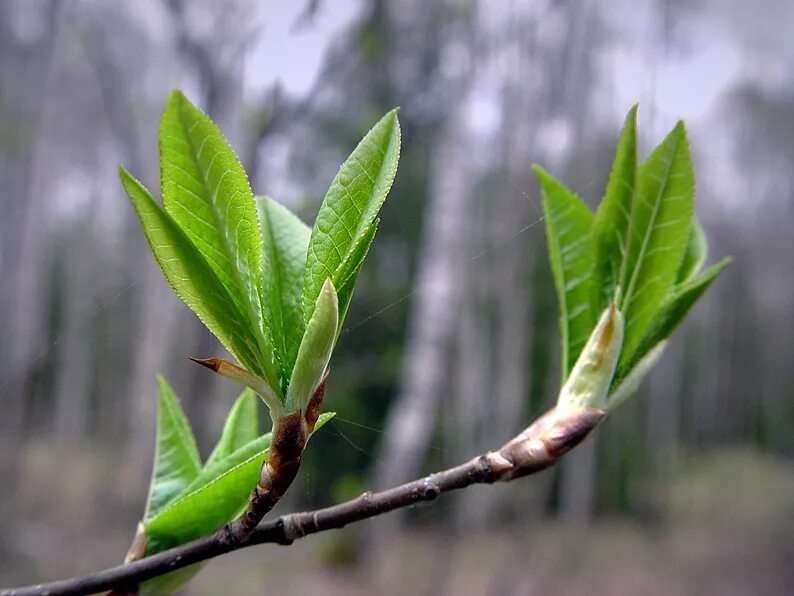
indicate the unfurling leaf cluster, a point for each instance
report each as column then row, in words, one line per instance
column 272, row 290
column 189, row 499
column 638, row 260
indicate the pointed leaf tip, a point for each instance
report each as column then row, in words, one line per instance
column 241, row 427
column 206, row 192
column 176, row 462
column 611, row 227
column 658, row 234
column 175, row 94
column 214, row 364
column 245, row 378
column 351, row 204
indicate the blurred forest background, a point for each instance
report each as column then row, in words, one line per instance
column 451, row 340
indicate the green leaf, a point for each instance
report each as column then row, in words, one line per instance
column 315, row 349
column 569, row 236
column 613, row 217
column 214, row 469
column 176, row 457
column 205, row 509
column 242, row 427
column 351, row 204
column 213, row 499
column 206, row 192
column 673, row 310
column 628, row 385
column 660, row 224
column 285, row 239
column 347, row 273
column 697, row 249
column 190, row 276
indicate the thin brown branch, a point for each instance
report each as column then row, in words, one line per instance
column 538, row 447
column 290, row 434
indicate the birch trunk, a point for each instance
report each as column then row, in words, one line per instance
column 434, row 312
column 22, row 241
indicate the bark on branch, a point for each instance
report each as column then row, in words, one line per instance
column 538, row 447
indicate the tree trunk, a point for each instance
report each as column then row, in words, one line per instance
column 23, row 242
column 435, row 309
column 75, row 360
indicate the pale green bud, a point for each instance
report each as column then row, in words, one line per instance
column 315, row 349
column 589, row 381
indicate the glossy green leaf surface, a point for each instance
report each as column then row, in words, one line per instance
column 206, row 191
column 347, row 273
column 350, row 205
column 672, row 311
column 648, row 251
column 659, row 231
column 569, row 236
column 613, row 217
column 214, row 498
column 241, row 427
column 176, row 457
column 315, row 349
column 285, row 239
column 192, row 279
column 206, row 508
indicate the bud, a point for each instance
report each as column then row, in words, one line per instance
column 544, row 442
column 315, row 350
column 589, row 381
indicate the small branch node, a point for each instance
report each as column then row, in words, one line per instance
column 288, row 530
column 430, row 490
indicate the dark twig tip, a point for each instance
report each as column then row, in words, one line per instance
column 213, row 364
